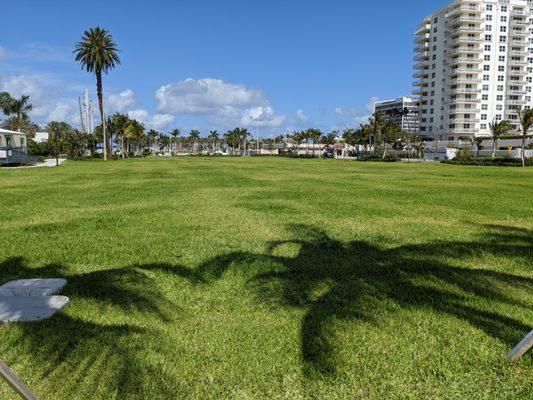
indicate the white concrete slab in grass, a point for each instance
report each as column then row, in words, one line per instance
column 30, row 309
column 32, row 287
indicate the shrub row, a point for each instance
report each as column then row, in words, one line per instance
column 485, row 161
column 378, row 158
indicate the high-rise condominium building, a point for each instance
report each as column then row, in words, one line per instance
column 403, row 111
column 474, row 65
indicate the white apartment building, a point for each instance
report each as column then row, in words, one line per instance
column 395, row 110
column 474, row 65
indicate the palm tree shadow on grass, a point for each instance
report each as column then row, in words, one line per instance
column 71, row 349
column 332, row 280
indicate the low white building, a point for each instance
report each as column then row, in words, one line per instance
column 41, row 137
column 12, row 139
column 14, row 148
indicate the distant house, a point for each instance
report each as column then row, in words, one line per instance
column 14, row 148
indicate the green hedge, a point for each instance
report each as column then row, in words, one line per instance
column 378, row 158
column 489, row 162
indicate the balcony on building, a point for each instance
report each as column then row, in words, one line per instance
column 464, row 60
column 424, row 28
column 422, row 65
column 464, row 9
column 463, row 90
column 518, row 42
column 518, row 53
column 519, row 33
column 422, row 57
column 424, row 74
column 464, row 50
column 464, row 19
column 464, row 39
column 463, row 70
column 421, row 39
column 464, row 30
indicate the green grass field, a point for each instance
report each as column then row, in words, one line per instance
column 271, row 278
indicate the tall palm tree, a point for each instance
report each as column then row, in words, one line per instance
column 152, row 136
column 526, row 121
column 390, row 132
column 18, row 108
column 97, row 53
column 194, row 136
column 232, row 140
column 164, row 142
column 5, row 102
column 298, row 138
column 135, row 132
column 243, row 135
column 498, row 129
column 175, row 134
column 330, row 139
column 375, row 123
column 213, row 137
column 478, row 141
column 117, row 126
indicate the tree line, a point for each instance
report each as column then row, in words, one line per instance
column 98, row 54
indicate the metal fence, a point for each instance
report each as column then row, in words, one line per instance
column 16, row 156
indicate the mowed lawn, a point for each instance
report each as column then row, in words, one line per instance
column 268, row 278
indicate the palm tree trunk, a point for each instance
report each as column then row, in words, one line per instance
column 493, row 148
column 524, row 148
column 101, row 106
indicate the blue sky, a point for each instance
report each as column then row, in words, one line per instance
column 203, row 64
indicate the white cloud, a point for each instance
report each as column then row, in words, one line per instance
column 139, row 115
column 370, row 105
column 121, row 102
column 61, row 111
column 48, row 105
column 263, row 116
column 301, row 116
column 205, row 96
column 23, row 85
column 218, row 102
column 157, row 121
column 350, row 111
column 161, row 121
